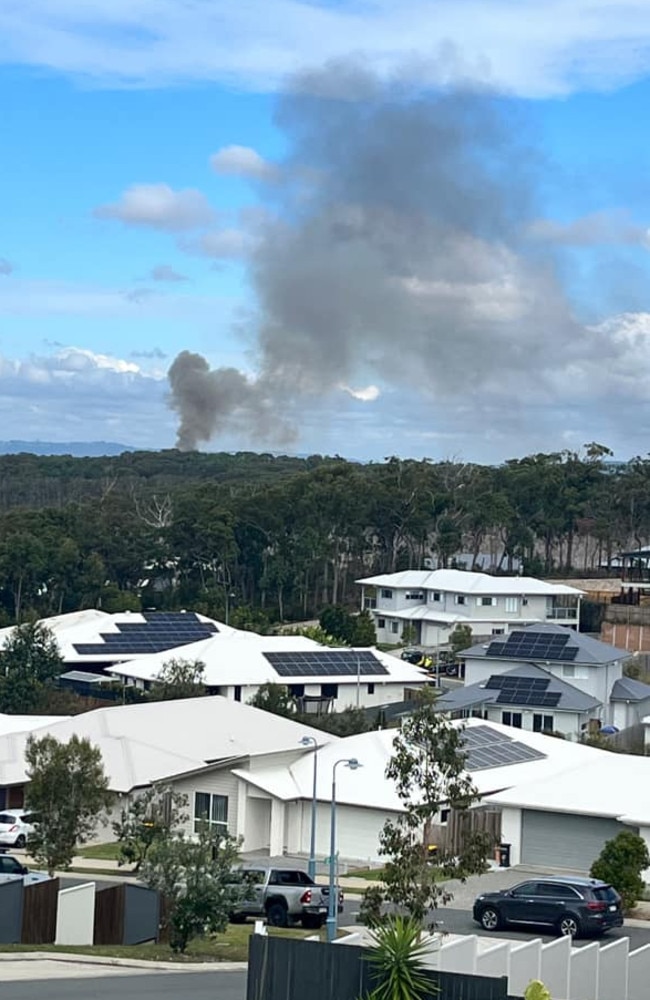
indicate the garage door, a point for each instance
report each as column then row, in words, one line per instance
column 559, row 840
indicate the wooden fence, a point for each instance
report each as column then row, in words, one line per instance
column 462, row 823
column 40, row 902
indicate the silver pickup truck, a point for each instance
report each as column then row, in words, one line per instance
column 283, row 895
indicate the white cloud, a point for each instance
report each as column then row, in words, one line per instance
column 159, row 207
column 78, row 394
column 366, row 395
column 242, row 161
column 598, row 228
column 165, row 272
column 535, row 48
column 221, row 244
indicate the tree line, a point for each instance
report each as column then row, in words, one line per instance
column 258, row 539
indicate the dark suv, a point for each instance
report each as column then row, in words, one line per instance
column 572, row 905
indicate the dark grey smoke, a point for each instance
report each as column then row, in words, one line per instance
column 396, row 253
column 206, row 401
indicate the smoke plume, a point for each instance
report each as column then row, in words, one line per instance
column 394, row 251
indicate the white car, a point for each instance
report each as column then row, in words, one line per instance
column 15, row 827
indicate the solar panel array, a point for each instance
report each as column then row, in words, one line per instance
column 528, row 645
column 488, row 748
column 160, row 631
column 326, row 663
column 523, row 691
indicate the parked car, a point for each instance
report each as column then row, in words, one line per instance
column 572, row 905
column 282, row 895
column 15, row 827
column 11, row 868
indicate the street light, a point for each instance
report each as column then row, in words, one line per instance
column 332, row 915
column 311, row 868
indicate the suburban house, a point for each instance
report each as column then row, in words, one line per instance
column 430, row 603
column 319, row 678
column 548, row 678
column 248, row 772
column 186, row 742
column 132, row 648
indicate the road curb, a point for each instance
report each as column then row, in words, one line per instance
column 125, row 963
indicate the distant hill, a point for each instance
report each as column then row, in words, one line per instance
column 78, row 449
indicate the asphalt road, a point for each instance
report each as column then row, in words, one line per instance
column 158, row 986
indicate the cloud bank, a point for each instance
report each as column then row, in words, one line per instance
column 539, row 48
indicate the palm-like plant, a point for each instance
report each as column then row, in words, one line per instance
column 396, row 960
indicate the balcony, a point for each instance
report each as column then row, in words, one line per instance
column 552, row 614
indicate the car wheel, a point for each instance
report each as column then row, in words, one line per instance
column 490, row 919
column 276, row 915
column 20, row 842
column 568, row 926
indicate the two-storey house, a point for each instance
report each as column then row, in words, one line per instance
column 432, row 602
column 547, row 678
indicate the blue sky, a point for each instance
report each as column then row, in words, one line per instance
column 145, row 185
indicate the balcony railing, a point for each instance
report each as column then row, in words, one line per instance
column 554, row 613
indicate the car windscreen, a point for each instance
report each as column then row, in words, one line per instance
column 606, row 894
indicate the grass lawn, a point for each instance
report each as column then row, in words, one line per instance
column 232, row 946
column 102, row 852
column 371, row 874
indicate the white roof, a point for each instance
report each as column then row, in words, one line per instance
column 231, row 662
column 25, row 723
column 428, row 612
column 460, row 581
column 156, row 740
column 368, row 786
column 610, row 784
column 88, row 626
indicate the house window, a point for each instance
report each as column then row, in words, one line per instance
column 371, row 688
column 238, row 692
column 524, row 602
column 211, row 809
column 414, row 595
column 329, row 690
column 297, row 690
column 568, row 670
column 381, row 623
column 511, row 719
column 512, row 604
column 486, row 602
column 394, row 626
column 498, row 631
column 460, row 599
column 444, row 816
column 369, row 603
column 542, row 723
column 435, row 595
column 387, row 594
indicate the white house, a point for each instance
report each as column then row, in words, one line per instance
column 93, row 639
column 279, row 792
column 433, row 602
column 563, row 821
column 319, row 677
column 160, row 741
column 548, row 678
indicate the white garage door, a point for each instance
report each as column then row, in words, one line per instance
column 560, row 840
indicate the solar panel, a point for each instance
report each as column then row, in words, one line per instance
column 534, row 646
column 488, row 748
column 330, row 663
column 159, row 632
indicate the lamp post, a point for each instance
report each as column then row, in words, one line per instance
column 332, row 916
column 311, row 868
